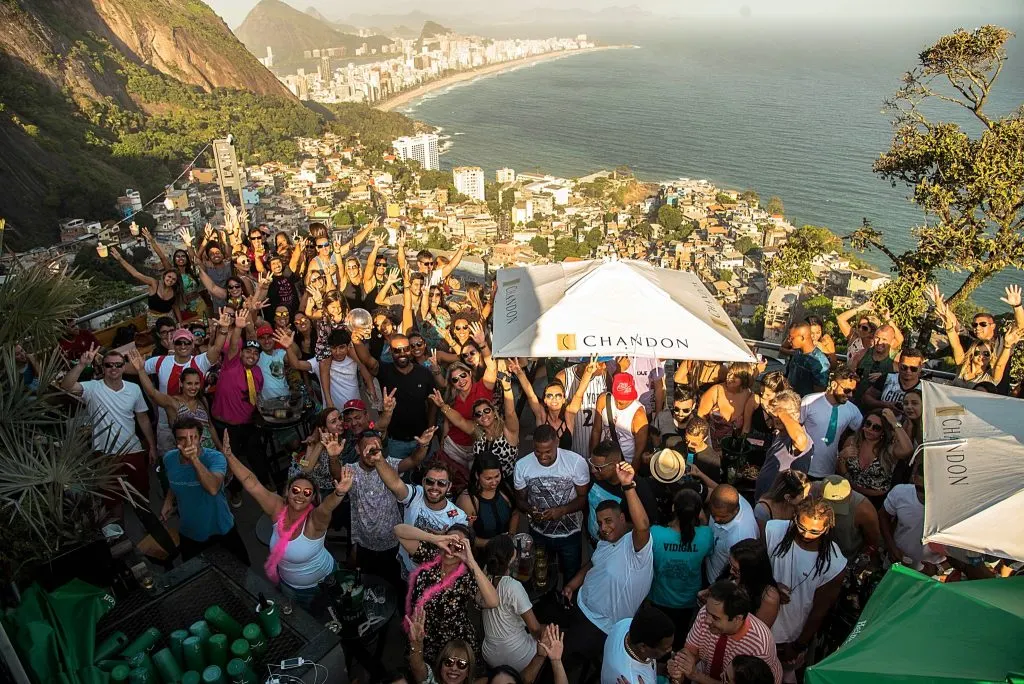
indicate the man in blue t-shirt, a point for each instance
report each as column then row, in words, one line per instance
column 196, row 478
column 807, row 368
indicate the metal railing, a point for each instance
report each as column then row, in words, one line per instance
column 136, row 305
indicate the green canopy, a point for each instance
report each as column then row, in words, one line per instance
column 915, row 629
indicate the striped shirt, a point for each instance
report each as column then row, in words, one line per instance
column 754, row 638
column 584, row 424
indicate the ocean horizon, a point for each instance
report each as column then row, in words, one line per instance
column 794, row 110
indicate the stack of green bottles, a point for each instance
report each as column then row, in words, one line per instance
column 214, row 650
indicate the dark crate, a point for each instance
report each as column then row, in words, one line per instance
column 182, row 596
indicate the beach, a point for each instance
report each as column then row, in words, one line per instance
column 407, row 96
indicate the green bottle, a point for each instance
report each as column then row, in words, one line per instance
column 109, row 665
column 213, row 675
column 167, row 667
column 141, row 675
column 193, row 650
column 222, row 622
column 200, row 629
column 119, row 674
column 240, row 650
column 142, row 661
column 257, row 643
column 239, row 673
column 269, row 619
column 110, row 646
column 217, row 650
column 143, row 642
column 191, row 677
column 176, row 645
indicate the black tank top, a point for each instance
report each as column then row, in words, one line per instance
column 564, row 436
column 492, row 516
column 159, row 304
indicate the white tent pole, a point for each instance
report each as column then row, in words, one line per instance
column 935, row 443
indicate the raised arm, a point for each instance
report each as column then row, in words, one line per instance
column 948, row 321
column 456, row 258
column 70, row 381
column 215, row 290
column 297, row 252
column 342, row 485
column 402, row 262
column 165, row 263
column 162, row 400
column 390, row 477
column 453, row 416
column 210, row 482
column 270, row 502
column 592, row 368
column 844, row 319
column 637, row 513
column 132, row 271
column 508, row 401
column 1013, row 298
column 795, row 431
column 370, row 264
column 539, row 412
column 491, row 367
column 902, row 447
column 1010, row 340
column 407, row 310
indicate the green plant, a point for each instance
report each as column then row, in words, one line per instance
column 52, row 483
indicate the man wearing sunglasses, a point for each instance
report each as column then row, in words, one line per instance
column 983, row 330
column 675, row 420
column 826, row 417
column 889, row 390
column 427, row 506
column 116, row 407
column 426, row 263
column 604, row 467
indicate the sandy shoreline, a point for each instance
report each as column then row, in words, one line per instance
column 407, row 96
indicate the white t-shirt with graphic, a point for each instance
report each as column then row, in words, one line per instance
column 421, row 516
column 552, row 486
column 274, row 382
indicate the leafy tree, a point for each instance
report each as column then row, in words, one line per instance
column 593, row 239
column 724, row 274
column 532, row 224
column 724, row 198
column 775, row 205
column 644, row 229
column 792, row 265
column 539, row 244
column 821, row 306
column 750, row 196
column 430, row 180
column 745, row 245
column 670, row 218
column 567, row 247
column 971, row 186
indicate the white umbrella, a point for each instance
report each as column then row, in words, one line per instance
column 974, row 485
column 611, row 308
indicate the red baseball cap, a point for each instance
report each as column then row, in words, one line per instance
column 623, row 388
column 354, row 405
column 264, row 330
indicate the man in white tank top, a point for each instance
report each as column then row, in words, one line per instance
column 622, row 413
column 570, row 378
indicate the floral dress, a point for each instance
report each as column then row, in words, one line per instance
column 446, row 599
column 873, row 477
column 432, row 325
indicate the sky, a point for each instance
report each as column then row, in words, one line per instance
column 234, row 11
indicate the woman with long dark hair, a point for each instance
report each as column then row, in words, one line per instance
column 724, row 405
column 780, row 501
column 492, row 434
column 757, row 421
column 913, row 426
column 511, row 629
column 750, row 567
column 679, row 552
column 489, row 501
column 181, row 262
column 165, row 296
column 869, row 456
column 555, row 410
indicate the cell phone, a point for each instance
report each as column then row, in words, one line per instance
column 689, row 458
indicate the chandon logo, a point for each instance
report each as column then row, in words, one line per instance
column 956, row 467
column 644, row 341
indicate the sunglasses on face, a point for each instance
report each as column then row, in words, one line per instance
column 872, row 425
column 865, row 327
column 485, row 411
column 909, row 369
column 458, row 377
column 304, row 491
column 983, row 352
column 234, row 287
column 114, row 364
column 554, row 395
column 281, row 314
column 182, row 343
column 426, row 263
column 418, row 344
column 681, row 411
column 462, row 327
column 809, row 533
column 460, row 663
column 373, row 451
column 321, row 245
column 198, row 333
column 980, row 324
column 431, row 482
column 381, row 263
column 399, row 350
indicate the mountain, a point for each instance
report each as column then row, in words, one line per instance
column 290, row 32
column 97, row 96
column 432, row 28
column 344, row 28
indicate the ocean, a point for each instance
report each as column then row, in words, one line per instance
column 788, row 109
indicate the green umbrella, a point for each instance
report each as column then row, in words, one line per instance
column 915, row 629
column 55, row 633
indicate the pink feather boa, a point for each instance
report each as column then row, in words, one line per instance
column 284, row 538
column 434, row 589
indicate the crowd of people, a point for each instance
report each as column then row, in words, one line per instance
column 698, row 519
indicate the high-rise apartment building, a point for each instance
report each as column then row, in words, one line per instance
column 469, row 181
column 422, row 148
column 505, row 176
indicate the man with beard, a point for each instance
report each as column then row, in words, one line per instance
column 826, row 416
column 723, row 630
column 878, row 360
column 675, row 420
column 604, row 466
column 426, row 506
column 217, row 269
column 888, row 391
column 902, row 523
column 411, row 386
column 618, row 577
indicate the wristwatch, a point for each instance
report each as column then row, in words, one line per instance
column 631, row 485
